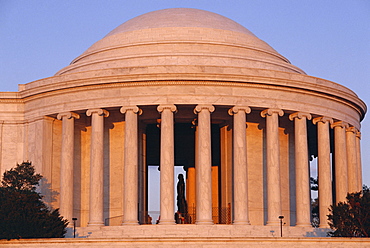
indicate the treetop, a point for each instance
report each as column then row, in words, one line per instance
column 22, row 177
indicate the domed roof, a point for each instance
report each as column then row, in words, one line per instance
column 167, row 39
column 180, row 17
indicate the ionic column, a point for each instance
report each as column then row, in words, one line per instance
column 96, row 211
column 324, row 168
column 302, row 171
column 352, row 159
column 66, row 164
column 167, row 163
column 142, row 183
column 340, row 159
column 204, row 165
column 130, row 167
column 226, row 169
column 241, row 213
column 359, row 163
column 273, row 165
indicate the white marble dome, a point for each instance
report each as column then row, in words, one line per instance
column 180, row 37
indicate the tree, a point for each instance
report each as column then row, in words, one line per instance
column 351, row 218
column 314, row 185
column 23, row 214
column 22, row 177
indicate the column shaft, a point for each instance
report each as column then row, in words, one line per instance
column 324, row 168
column 167, row 163
column 130, row 168
column 204, row 166
column 226, row 173
column 302, row 172
column 143, row 186
column 241, row 213
column 66, row 164
column 340, row 158
column 359, row 163
column 273, row 165
column 191, row 192
column 96, row 211
column 352, row 160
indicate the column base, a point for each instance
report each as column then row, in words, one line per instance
column 324, row 226
column 241, row 223
column 95, row 224
column 303, row 225
column 130, row 223
column 273, row 223
column 167, row 222
column 204, row 222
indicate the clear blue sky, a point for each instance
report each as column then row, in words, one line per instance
column 329, row 39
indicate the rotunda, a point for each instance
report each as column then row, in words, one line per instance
column 190, row 88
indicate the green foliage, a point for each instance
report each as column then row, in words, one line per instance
column 351, row 218
column 22, row 177
column 314, row 182
column 23, row 214
column 315, row 221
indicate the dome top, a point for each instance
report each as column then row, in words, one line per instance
column 180, row 40
column 180, row 17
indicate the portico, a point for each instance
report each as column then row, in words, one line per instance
column 240, row 121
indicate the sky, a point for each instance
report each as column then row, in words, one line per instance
column 328, row 39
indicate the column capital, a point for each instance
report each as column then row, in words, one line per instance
column 322, row 119
column 236, row 109
column 134, row 109
column 341, row 124
column 171, row 107
column 99, row 111
column 358, row 134
column 200, row 107
column 300, row 115
column 194, row 123
column 351, row 129
column 68, row 115
column 272, row 111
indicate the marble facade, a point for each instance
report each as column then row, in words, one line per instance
column 87, row 128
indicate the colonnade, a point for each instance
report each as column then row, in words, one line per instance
column 346, row 161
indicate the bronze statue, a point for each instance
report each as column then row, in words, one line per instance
column 182, row 206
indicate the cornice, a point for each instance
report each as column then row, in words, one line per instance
column 10, row 97
column 6, row 100
column 186, row 73
column 289, row 85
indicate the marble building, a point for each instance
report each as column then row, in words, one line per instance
column 189, row 88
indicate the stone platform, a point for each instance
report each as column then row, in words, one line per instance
column 193, row 236
column 195, row 231
column 191, row 242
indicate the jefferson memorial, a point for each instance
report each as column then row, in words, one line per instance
column 193, row 89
